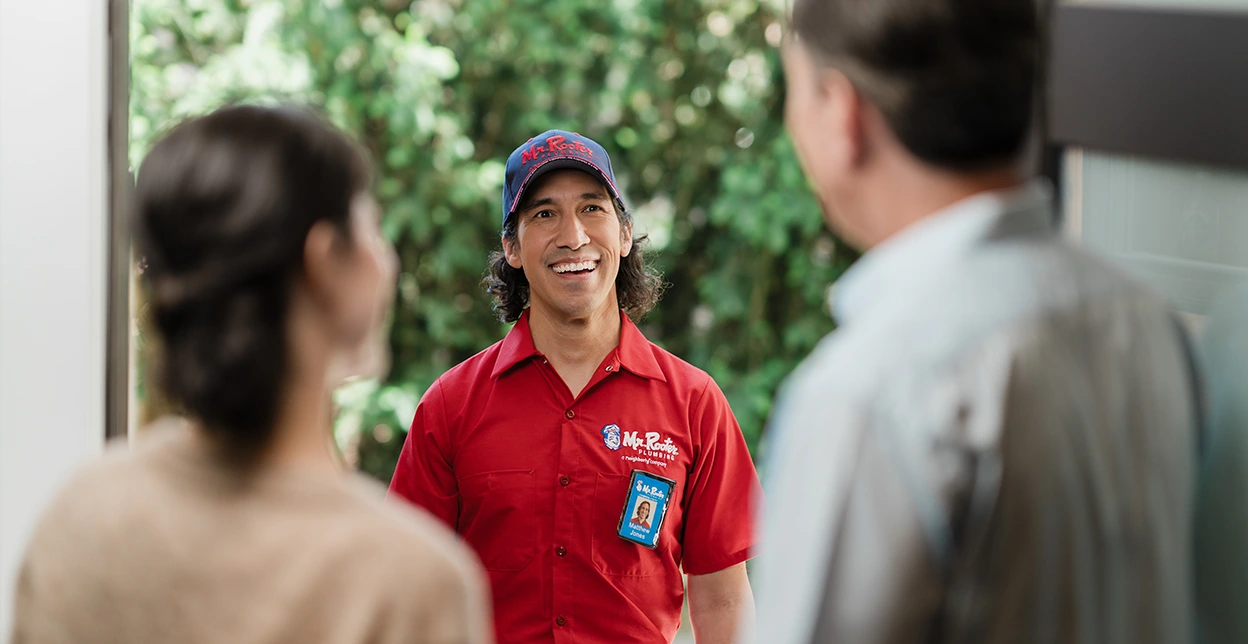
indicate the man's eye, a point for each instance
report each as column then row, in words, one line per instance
column 543, row 214
column 593, row 208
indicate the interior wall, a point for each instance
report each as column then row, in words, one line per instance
column 53, row 257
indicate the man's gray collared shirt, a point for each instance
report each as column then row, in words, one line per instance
column 997, row 445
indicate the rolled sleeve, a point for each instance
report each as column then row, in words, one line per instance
column 723, row 489
column 425, row 475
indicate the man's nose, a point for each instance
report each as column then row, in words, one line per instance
column 572, row 233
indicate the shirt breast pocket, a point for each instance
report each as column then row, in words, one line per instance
column 611, row 554
column 497, row 518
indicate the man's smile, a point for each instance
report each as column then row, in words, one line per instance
column 575, row 267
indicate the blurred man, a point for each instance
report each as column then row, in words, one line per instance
column 535, row 449
column 997, row 445
column 1222, row 509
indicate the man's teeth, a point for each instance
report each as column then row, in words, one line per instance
column 570, row 268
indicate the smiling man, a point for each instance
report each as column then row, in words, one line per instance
column 537, row 449
column 642, row 516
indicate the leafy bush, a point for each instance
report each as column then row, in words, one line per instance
column 687, row 96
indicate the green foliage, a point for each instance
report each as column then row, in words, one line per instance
column 687, row 96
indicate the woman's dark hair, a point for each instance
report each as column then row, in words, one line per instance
column 638, row 285
column 224, row 204
column 956, row 80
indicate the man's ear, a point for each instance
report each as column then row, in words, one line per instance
column 847, row 114
column 626, row 239
column 511, row 249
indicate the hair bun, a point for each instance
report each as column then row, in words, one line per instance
column 224, row 204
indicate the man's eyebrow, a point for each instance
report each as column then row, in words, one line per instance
column 546, row 201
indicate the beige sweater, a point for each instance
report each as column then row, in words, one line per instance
column 160, row 543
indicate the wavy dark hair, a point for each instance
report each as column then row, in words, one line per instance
column 638, row 286
column 224, row 204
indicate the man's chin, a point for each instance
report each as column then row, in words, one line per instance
column 573, row 306
column 834, row 221
column 830, row 218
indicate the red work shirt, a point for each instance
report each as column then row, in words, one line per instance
column 536, row 481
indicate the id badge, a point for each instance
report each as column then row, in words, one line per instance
column 645, row 508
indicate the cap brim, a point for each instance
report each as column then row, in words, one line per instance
column 562, row 163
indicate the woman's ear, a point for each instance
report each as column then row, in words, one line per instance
column 319, row 262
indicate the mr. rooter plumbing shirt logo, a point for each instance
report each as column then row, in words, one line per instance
column 651, row 447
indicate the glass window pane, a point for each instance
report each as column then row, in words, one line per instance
column 1181, row 228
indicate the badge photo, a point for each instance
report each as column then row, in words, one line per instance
column 641, row 520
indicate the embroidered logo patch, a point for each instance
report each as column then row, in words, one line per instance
column 556, row 145
column 650, row 448
column 611, row 437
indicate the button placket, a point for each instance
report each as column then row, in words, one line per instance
column 565, row 522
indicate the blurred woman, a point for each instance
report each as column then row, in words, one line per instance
column 269, row 282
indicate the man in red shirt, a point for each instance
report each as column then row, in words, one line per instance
column 538, row 449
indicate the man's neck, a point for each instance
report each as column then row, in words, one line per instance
column 926, row 192
column 575, row 346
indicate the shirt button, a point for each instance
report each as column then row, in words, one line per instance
column 561, row 551
column 564, row 481
column 610, row 368
column 560, row 620
column 569, row 414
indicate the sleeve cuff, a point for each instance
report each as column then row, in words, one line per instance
column 717, row 564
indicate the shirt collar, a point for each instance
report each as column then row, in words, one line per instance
column 517, row 346
column 633, row 352
column 912, row 253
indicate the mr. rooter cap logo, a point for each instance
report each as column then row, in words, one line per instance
column 557, row 145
